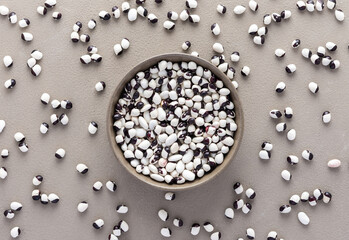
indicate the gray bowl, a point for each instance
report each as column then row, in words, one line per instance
column 176, row 57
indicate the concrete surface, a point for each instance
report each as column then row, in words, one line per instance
column 64, row 77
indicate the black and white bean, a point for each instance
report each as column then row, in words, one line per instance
column 327, row 197
column 93, row 128
column 294, row 200
column 313, row 87
column 92, row 24
column 60, row 153
column 280, row 87
column 56, row 15
column 216, row 30
column 318, row 194
column 267, row 19
column 307, row 155
column 312, row 201
column 16, row 206
column 36, row 70
column 170, row 196
column 15, row 232
column 8, row 61
column 37, row 180
column 44, row 127
column 163, row 215
column 229, row 213
column 305, row 196
column 10, row 83
column 292, row 159
column 291, row 68
column 97, row 186
column 44, row 199
column 100, row 86
column 221, row 9
column 326, row 117
column 111, row 186
column 310, row 5
column 9, row 214
column 82, row 206
column 98, row 224
column 27, row 37
column 208, row 227
column 216, row 236
column 166, row 232
column 306, row 53
column 296, row 43
column 280, row 53
column 250, row 193
column 288, row 112
column 286, row 175
column 169, row 25
column 12, row 17
column 246, row 208
column 41, row 10
column 177, row 222
column 123, row 209
column 238, row 188
column 54, row 119
column 36, row 194
column 195, row 229
column 82, row 168
column 339, row 15
column 3, row 173
column 53, row 198
column 319, row 5
column 253, row 5
column 250, row 233
column 285, row 209
column 152, row 18
column 5, row 153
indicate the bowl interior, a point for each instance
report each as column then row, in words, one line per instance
column 176, row 57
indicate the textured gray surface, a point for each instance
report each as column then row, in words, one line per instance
column 64, row 77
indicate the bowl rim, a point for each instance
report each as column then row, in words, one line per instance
column 176, row 57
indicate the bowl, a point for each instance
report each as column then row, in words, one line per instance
column 176, row 57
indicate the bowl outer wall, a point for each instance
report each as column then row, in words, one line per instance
column 176, row 57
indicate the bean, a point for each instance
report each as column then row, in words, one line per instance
column 334, row 163
column 4, row 153
column 98, row 224
column 166, row 232
column 27, row 37
column 303, row 218
column 250, row 233
column 286, row 175
column 229, row 213
column 82, row 206
column 326, row 117
column 250, row 193
column 313, row 87
column 111, row 186
column 82, row 168
column 239, row 9
column 221, row 9
column 15, row 232
column 195, row 229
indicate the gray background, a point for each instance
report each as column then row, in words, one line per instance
column 64, row 77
